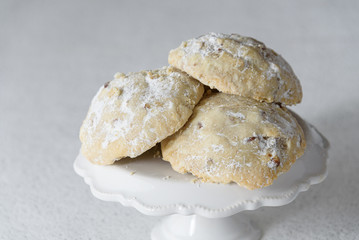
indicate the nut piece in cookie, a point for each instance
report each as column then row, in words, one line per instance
column 133, row 112
column 238, row 65
column 229, row 138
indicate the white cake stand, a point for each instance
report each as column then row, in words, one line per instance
column 195, row 210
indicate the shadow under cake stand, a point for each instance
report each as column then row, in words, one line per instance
column 198, row 210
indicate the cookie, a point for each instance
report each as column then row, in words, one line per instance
column 238, row 65
column 229, row 138
column 133, row 112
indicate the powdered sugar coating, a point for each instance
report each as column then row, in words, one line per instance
column 251, row 147
column 133, row 112
column 238, row 65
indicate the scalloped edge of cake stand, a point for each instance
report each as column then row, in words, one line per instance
column 208, row 223
column 184, row 209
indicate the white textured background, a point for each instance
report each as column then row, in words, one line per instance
column 54, row 55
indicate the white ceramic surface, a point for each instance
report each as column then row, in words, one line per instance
column 194, row 227
column 151, row 186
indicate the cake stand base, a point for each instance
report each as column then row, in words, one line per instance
column 194, row 227
column 195, row 210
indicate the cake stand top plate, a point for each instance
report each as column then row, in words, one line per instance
column 151, row 186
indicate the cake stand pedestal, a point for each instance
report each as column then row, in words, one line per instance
column 191, row 227
column 195, row 210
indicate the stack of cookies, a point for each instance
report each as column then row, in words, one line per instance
column 240, row 131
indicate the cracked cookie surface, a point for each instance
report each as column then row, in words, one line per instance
column 229, row 138
column 238, row 65
column 133, row 112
